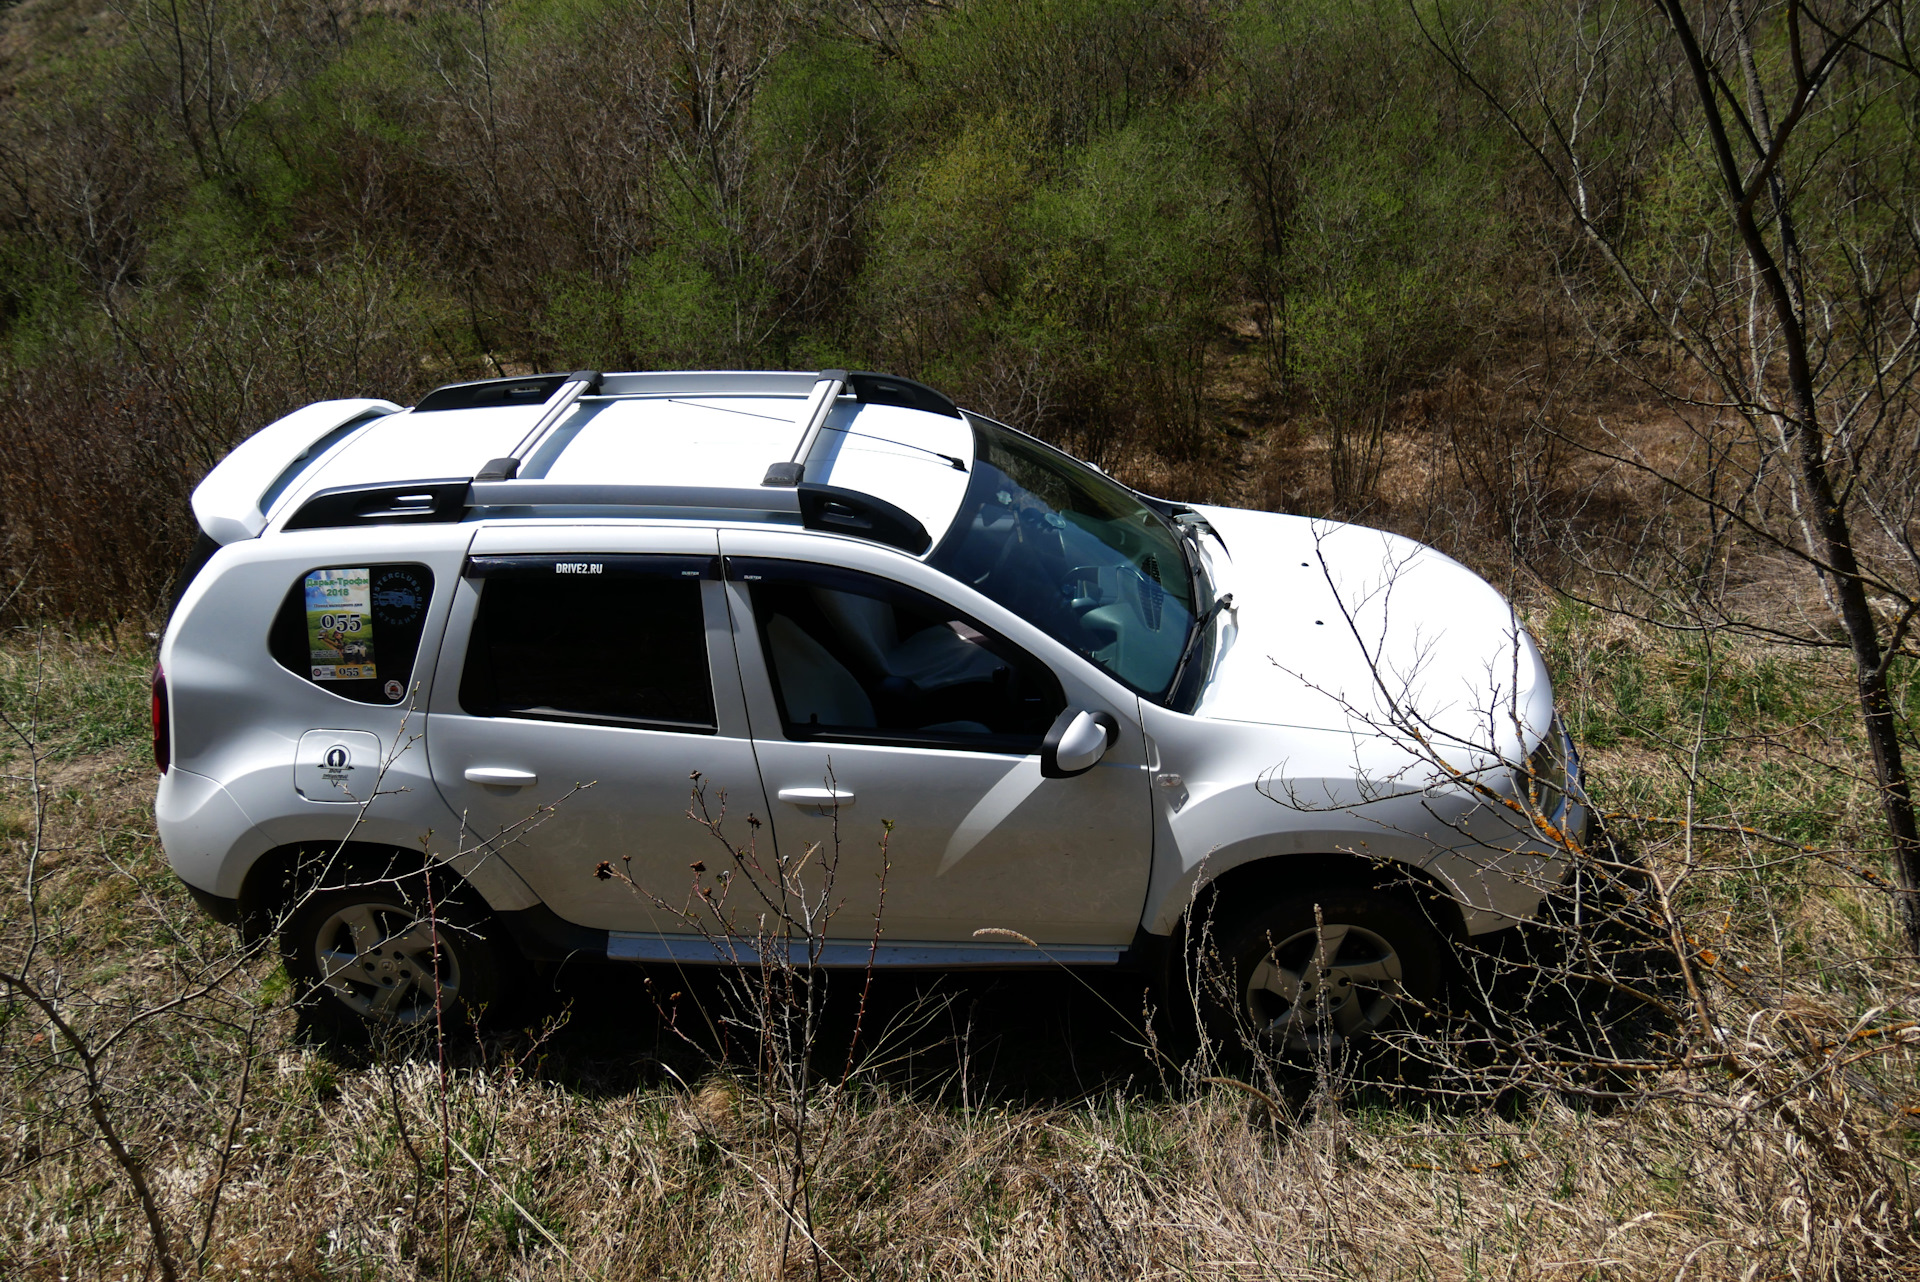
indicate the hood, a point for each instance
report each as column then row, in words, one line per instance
column 1341, row 628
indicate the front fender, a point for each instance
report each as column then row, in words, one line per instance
column 1335, row 796
column 1235, row 826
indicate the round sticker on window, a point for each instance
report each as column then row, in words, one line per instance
column 394, row 690
column 399, row 597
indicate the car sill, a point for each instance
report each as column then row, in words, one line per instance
column 696, row 950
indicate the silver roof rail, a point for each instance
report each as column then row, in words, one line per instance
column 828, row 508
column 536, row 389
column 563, row 391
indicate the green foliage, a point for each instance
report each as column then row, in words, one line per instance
column 819, row 96
column 1070, row 213
column 1074, row 68
column 42, row 299
column 946, row 252
column 83, row 700
column 1393, row 210
column 1098, row 277
column 1140, row 244
column 697, row 302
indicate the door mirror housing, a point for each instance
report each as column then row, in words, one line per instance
column 1076, row 742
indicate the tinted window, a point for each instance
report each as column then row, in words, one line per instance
column 1075, row 554
column 855, row 658
column 354, row 630
column 606, row 639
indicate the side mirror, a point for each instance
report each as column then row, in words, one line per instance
column 1076, row 743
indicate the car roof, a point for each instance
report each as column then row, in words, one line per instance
column 731, row 446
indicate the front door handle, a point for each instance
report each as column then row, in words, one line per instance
column 501, row 777
column 817, row 798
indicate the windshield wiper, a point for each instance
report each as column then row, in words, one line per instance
column 1190, row 526
column 1200, row 627
column 1195, row 524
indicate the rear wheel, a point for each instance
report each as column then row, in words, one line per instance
column 1326, row 972
column 378, row 952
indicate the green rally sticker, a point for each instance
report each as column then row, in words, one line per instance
column 340, row 625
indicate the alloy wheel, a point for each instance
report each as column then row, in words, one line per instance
column 385, row 963
column 1319, row 987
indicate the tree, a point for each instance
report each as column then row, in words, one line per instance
column 1746, row 176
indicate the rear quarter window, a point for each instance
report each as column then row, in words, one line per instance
column 354, row 630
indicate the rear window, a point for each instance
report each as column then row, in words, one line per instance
column 354, row 630
column 608, row 640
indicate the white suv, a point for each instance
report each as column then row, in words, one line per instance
column 1093, row 717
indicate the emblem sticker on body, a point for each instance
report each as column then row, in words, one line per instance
column 336, row 765
column 340, row 625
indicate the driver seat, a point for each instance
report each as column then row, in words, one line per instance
column 931, row 658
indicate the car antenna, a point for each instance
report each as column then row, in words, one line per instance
column 959, row 465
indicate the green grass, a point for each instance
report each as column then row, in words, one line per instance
column 78, row 696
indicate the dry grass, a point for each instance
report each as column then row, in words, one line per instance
column 1006, row 1128
column 655, row 1183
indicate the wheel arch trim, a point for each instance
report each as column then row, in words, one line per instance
column 1248, row 864
column 270, row 884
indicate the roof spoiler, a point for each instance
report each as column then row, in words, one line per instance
column 232, row 501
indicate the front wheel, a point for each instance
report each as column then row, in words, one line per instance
column 1327, row 972
column 379, row 952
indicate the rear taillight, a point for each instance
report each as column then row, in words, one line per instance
column 162, row 727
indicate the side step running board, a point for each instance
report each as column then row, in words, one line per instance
column 695, row 950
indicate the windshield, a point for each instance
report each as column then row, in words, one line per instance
column 1074, row 553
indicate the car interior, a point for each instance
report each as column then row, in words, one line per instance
column 892, row 663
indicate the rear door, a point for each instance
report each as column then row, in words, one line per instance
column 587, row 677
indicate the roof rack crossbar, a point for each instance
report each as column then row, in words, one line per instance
column 577, row 384
column 826, row 390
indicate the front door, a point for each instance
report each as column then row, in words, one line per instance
column 881, row 713
column 579, row 693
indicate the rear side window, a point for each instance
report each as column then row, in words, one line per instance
column 608, row 640
column 354, row 630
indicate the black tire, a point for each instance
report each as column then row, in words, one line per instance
column 367, row 953
column 1324, row 972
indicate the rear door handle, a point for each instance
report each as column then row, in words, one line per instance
column 501, row 777
column 822, row 798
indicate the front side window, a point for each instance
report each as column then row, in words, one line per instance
column 855, row 658
column 354, row 630
column 1074, row 553
column 607, row 640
